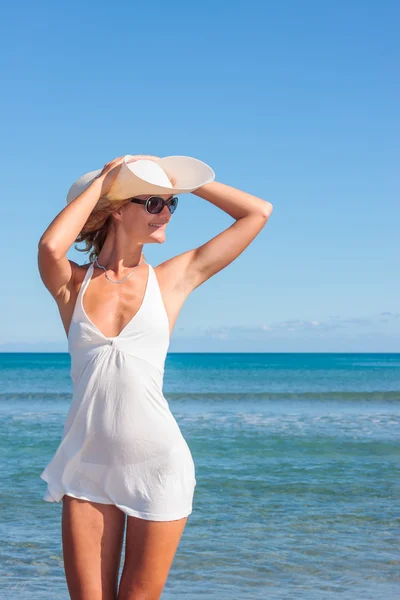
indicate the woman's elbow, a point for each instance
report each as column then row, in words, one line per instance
column 267, row 209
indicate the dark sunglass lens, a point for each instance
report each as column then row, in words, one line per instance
column 155, row 205
column 173, row 204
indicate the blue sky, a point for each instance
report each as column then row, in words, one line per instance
column 295, row 102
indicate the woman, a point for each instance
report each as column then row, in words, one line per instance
column 123, row 459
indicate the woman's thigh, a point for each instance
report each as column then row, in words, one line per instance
column 150, row 547
column 92, row 538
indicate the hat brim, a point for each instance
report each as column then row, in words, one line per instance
column 188, row 174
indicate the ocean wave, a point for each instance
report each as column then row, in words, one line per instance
column 325, row 396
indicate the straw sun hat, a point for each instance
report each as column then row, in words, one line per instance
column 145, row 176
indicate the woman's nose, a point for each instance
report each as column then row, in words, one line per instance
column 165, row 212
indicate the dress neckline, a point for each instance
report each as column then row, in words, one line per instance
column 86, row 284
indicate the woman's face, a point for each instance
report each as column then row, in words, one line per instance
column 145, row 227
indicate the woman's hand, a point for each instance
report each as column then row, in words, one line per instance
column 112, row 168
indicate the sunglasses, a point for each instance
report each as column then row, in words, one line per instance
column 155, row 204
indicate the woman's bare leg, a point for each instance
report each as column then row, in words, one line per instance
column 92, row 538
column 150, row 547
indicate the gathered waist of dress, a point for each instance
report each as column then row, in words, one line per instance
column 103, row 361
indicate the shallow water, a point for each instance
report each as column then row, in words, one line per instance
column 297, row 468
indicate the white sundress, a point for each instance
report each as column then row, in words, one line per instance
column 121, row 444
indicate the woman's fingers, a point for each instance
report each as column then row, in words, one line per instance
column 112, row 165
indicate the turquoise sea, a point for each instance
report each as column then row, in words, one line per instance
column 297, row 465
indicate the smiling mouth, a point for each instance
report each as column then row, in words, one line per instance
column 156, row 225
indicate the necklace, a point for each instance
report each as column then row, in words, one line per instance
column 112, row 281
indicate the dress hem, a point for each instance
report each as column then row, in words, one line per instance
column 130, row 512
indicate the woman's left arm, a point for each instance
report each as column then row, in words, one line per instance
column 236, row 203
column 250, row 214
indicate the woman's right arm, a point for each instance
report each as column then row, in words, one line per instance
column 56, row 271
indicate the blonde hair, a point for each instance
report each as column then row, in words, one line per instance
column 94, row 231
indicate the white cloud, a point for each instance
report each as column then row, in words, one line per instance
column 332, row 327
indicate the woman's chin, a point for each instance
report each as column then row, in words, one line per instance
column 157, row 238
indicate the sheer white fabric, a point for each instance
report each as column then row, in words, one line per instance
column 121, row 443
